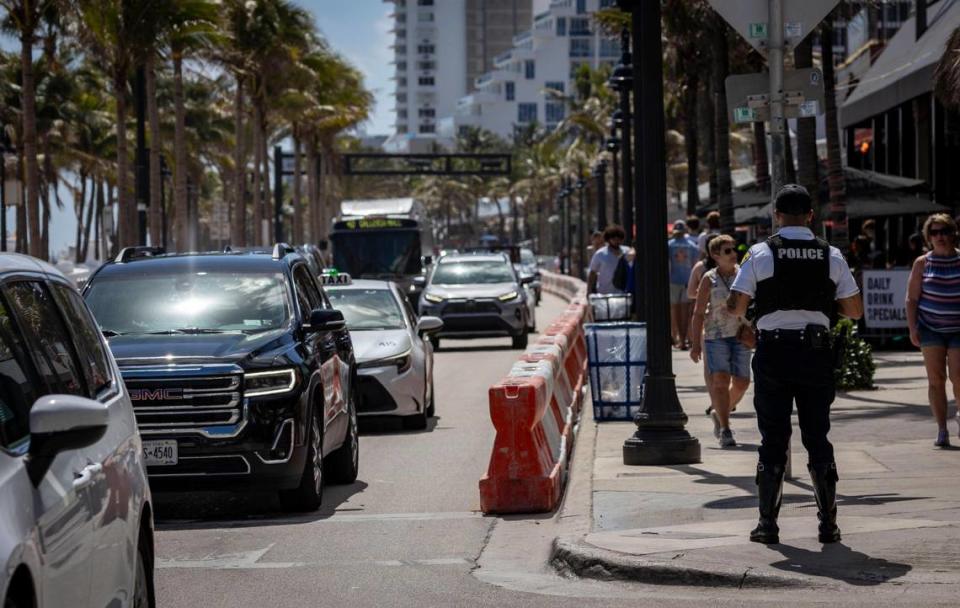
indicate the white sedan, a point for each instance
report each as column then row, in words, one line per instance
column 392, row 348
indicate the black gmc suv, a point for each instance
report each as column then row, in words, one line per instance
column 240, row 371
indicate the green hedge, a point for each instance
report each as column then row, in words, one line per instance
column 856, row 367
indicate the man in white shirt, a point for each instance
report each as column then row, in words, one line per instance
column 796, row 280
column 604, row 262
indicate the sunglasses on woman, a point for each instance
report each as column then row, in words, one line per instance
column 728, row 250
column 941, row 232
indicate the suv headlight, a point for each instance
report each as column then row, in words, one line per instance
column 271, row 382
column 431, row 297
column 508, row 296
column 403, row 361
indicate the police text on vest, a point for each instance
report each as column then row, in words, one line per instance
column 800, row 253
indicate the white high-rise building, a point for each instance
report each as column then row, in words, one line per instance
column 439, row 48
column 545, row 57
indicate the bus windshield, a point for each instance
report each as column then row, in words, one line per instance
column 380, row 252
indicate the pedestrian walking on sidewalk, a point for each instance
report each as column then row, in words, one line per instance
column 604, row 262
column 933, row 314
column 683, row 255
column 715, row 334
column 796, row 280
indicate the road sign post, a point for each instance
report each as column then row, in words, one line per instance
column 778, row 122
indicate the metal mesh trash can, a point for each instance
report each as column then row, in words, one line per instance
column 611, row 306
column 617, row 357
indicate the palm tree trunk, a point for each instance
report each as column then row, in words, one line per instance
column 49, row 184
column 28, row 96
column 807, row 161
column 690, row 139
column 267, row 216
column 91, row 207
column 311, row 220
column 155, row 222
column 181, row 228
column 722, row 139
column 78, row 208
column 761, row 162
column 297, row 236
column 835, row 179
column 257, row 177
column 708, row 128
column 238, row 221
column 127, row 216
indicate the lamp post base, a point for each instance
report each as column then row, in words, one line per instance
column 661, row 437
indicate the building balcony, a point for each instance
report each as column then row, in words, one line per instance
column 523, row 37
column 503, row 58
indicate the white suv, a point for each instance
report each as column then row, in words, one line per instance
column 75, row 515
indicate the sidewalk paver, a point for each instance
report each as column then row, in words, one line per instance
column 899, row 499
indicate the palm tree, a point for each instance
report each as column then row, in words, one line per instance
column 23, row 19
column 947, row 74
column 835, row 177
column 808, row 163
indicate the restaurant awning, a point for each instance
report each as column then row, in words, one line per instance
column 893, row 203
column 904, row 69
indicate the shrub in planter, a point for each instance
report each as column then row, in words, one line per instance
column 855, row 367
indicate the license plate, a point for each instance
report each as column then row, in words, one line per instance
column 160, row 453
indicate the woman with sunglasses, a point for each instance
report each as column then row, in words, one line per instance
column 714, row 334
column 933, row 314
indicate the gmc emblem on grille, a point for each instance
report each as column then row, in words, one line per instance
column 156, row 394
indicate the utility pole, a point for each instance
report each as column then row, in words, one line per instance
column 621, row 80
column 613, row 145
column 778, row 122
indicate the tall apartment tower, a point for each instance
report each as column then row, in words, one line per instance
column 439, row 48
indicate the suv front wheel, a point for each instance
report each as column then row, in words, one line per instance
column 307, row 496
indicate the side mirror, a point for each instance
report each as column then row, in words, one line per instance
column 428, row 325
column 526, row 280
column 420, row 281
column 323, row 319
column 427, row 260
column 62, row 422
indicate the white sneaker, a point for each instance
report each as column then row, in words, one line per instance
column 726, row 439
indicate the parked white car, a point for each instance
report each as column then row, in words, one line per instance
column 392, row 347
column 76, row 528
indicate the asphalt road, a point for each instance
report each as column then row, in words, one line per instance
column 407, row 533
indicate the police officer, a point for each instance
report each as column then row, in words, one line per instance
column 797, row 281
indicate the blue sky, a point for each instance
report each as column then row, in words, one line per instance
column 359, row 30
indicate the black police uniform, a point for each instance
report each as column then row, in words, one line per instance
column 795, row 292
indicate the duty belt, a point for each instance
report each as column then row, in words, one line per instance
column 813, row 336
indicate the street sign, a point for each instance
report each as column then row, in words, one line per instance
column 748, row 95
column 750, row 18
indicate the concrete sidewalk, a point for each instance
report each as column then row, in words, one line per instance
column 899, row 499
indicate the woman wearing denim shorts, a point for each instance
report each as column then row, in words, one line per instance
column 933, row 314
column 715, row 336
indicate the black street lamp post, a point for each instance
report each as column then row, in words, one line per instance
column 567, row 247
column 600, row 173
column 660, row 437
column 621, row 80
column 581, row 224
column 613, row 145
column 5, row 148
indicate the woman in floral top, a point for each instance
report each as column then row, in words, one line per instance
column 715, row 333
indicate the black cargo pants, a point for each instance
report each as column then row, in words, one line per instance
column 786, row 372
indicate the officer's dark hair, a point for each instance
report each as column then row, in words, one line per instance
column 793, row 200
column 613, row 231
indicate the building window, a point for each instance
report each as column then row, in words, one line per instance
column 401, row 82
column 426, row 49
column 401, row 18
column 554, row 85
column 402, row 97
column 509, row 91
column 579, row 26
column 554, row 111
column 425, row 17
column 424, row 2
column 581, row 7
column 609, row 47
column 526, row 112
column 580, row 47
column 401, row 128
column 426, row 65
column 401, row 113
column 426, row 81
column 401, row 66
column 401, row 34
column 529, row 69
column 427, row 112
column 428, row 128
column 561, row 26
column 574, row 66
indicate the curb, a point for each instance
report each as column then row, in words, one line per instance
column 574, row 556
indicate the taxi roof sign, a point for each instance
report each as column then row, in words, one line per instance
column 331, row 277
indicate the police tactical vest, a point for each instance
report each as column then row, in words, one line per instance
column 801, row 278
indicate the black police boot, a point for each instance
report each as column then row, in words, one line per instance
column 824, row 477
column 770, row 493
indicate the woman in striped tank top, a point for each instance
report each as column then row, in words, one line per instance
column 933, row 313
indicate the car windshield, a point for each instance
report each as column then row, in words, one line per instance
column 189, row 302
column 527, row 258
column 367, row 308
column 374, row 253
column 472, row 273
